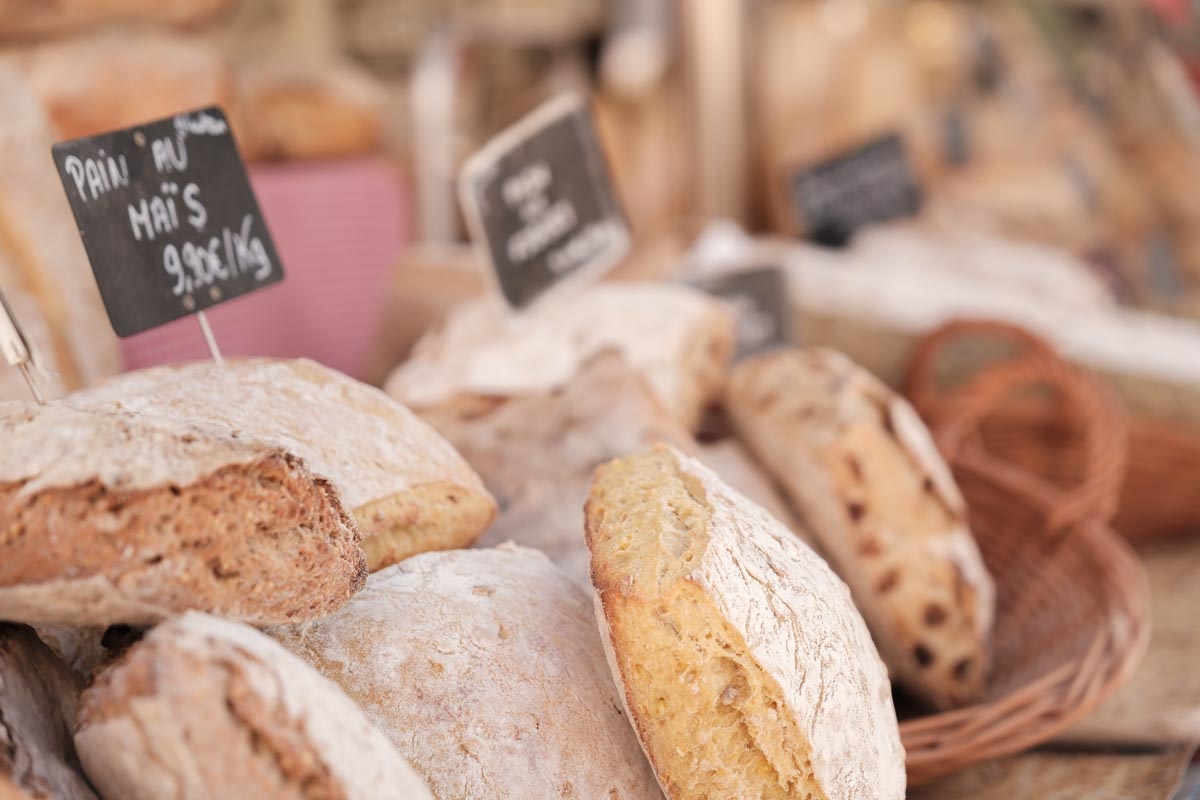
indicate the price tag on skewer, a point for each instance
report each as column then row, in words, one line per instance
column 15, row 347
column 169, row 221
column 539, row 202
column 759, row 298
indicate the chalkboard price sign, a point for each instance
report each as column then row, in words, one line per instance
column 759, row 298
column 168, row 218
column 871, row 184
column 539, row 199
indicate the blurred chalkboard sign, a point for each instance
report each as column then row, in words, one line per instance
column 168, row 218
column 759, row 298
column 539, row 200
column 871, row 184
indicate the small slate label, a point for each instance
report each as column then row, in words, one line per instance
column 871, row 184
column 759, row 297
column 538, row 197
column 168, row 218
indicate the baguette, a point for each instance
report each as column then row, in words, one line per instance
column 739, row 655
column 38, row 699
column 864, row 474
column 408, row 489
column 110, row 517
column 485, row 670
column 204, row 708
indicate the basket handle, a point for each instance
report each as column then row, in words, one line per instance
column 955, row 417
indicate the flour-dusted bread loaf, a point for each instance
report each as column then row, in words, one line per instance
column 41, row 254
column 207, row 708
column 680, row 338
column 485, row 669
column 536, row 452
column 38, row 701
column 86, row 81
column 111, row 517
column 864, row 473
column 20, row 18
column 406, row 486
column 307, row 108
column 741, row 659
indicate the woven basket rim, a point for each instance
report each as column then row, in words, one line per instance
column 1050, row 703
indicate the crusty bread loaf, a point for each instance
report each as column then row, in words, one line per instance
column 41, row 254
column 113, row 78
column 206, row 708
column 38, row 699
column 485, row 669
column 111, row 517
column 742, row 661
column 20, row 18
column 408, row 489
column 865, row 475
column 679, row 338
column 536, row 452
column 310, row 108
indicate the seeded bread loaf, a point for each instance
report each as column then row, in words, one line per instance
column 207, row 708
column 864, row 474
column 41, row 254
column 407, row 487
column 20, row 18
column 740, row 657
column 310, row 108
column 485, row 670
column 111, row 517
column 680, row 338
column 38, row 700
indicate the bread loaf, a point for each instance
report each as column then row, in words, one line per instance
column 536, row 452
column 729, row 459
column 407, row 488
column 20, row 18
column 41, row 254
column 679, row 338
column 297, row 109
column 38, row 699
column 113, row 78
column 865, row 475
column 485, row 670
column 111, row 517
column 206, row 708
column 741, row 659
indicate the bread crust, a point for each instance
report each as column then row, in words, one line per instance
column 407, row 487
column 485, row 670
column 110, row 517
column 679, row 338
column 204, row 707
column 38, row 700
column 772, row 604
column 864, row 473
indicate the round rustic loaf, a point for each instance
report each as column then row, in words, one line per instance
column 407, row 487
column 485, row 670
column 206, row 708
column 741, row 659
column 680, row 338
column 864, row 473
column 38, row 701
column 110, row 517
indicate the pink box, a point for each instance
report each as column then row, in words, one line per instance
column 338, row 226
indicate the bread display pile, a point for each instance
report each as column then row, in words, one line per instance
column 266, row 578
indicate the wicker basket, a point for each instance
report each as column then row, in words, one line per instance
column 1072, row 618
